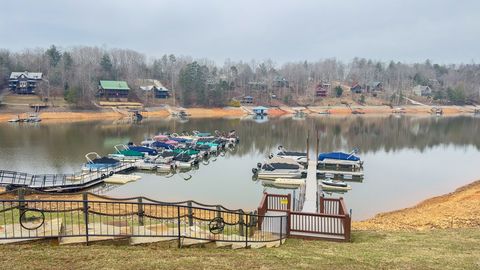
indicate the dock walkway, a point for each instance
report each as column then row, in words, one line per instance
column 311, row 186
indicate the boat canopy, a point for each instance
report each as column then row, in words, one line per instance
column 131, row 153
column 162, row 145
column 338, row 155
column 143, row 149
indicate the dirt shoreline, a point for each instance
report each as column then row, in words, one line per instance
column 238, row 112
column 458, row 209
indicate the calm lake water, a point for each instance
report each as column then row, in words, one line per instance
column 407, row 159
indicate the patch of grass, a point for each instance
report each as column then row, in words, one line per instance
column 438, row 249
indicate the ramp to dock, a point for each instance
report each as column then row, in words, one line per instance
column 311, row 186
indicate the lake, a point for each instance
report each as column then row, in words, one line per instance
column 407, row 158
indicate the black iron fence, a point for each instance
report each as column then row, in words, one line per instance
column 91, row 217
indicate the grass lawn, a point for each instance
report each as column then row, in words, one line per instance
column 440, row 249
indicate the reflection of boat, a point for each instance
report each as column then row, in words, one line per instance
column 278, row 168
column 332, row 185
column 299, row 115
column 300, row 157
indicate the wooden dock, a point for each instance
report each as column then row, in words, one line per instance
column 311, row 188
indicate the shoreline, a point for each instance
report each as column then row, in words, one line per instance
column 73, row 116
column 457, row 209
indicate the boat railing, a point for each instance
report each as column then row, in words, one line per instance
column 87, row 216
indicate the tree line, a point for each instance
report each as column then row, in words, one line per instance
column 75, row 73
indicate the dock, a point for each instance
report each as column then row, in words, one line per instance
column 311, row 186
column 60, row 182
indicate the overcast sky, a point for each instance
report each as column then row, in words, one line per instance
column 445, row 31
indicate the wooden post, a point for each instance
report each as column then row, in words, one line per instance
column 190, row 213
column 85, row 213
column 322, row 205
column 140, row 211
column 219, row 214
column 308, row 146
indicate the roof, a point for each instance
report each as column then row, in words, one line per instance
column 259, row 108
column 29, row 75
column 114, row 85
column 150, row 84
column 375, row 84
column 421, row 88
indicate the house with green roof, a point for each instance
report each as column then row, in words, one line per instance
column 113, row 90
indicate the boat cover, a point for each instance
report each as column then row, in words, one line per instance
column 131, row 153
column 338, row 155
column 334, row 183
column 279, row 166
column 105, row 160
column 143, row 149
column 180, row 140
column 162, row 145
column 186, row 151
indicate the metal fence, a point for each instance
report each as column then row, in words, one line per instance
column 91, row 217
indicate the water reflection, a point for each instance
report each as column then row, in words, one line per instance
column 405, row 157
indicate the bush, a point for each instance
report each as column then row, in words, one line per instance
column 338, row 91
column 234, row 103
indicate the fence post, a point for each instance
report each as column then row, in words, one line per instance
column 140, row 211
column 288, row 215
column 190, row 213
column 85, row 213
column 240, row 222
column 246, row 236
column 21, row 202
column 219, row 214
column 178, row 225
column 322, row 205
column 281, row 228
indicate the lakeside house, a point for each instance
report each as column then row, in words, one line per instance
column 154, row 88
column 257, row 85
column 280, row 82
column 247, row 99
column 24, row 82
column 375, row 87
column 422, row 90
column 321, row 90
column 356, row 88
column 260, row 110
column 113, row 90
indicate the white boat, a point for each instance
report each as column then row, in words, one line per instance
column 332, row 185
column 299, row 157
column 284, row 183
column 279, row 168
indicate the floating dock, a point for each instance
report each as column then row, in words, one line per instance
column 311, row 186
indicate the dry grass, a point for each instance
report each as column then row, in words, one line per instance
column 459, row 209
column 439, row 249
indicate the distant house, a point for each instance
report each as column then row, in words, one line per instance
column 280, row 82
column 24, row 82
column 113, row 89
column 257, row 85
column 322, row 89
column 374, row 87
column 356, row 88
column 247, row 99
column 422, row 90
column 154, row 87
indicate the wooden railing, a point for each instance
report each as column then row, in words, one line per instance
column 332, row 222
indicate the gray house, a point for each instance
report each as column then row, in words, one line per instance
column 422, row 90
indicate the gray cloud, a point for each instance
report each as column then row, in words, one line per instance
column 283, row 30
